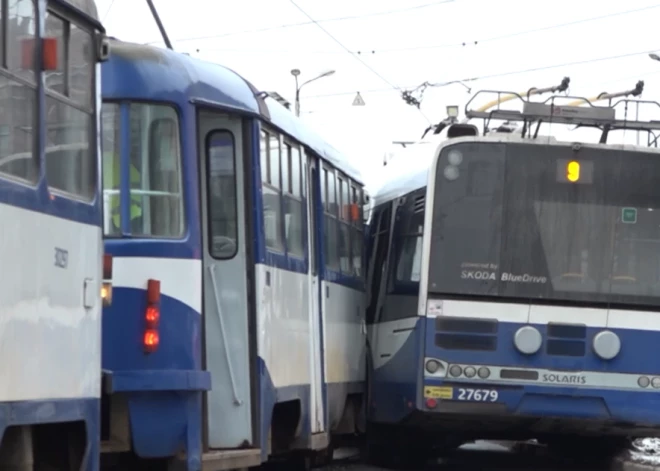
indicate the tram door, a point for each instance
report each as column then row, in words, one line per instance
column 224, row 278
column 314, row 282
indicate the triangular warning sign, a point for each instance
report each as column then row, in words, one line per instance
column 358, row 100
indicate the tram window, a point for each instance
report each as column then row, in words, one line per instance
column 295, row 173
column 221, row 194
column 286, row 168
column 17, row 119
column 332, row 193
column 81, row 71
column 18, row 101
column 70, row 157
column 293, row 207
column 274, row 159
column 331, row 242
column 324, row 186
column 344, row 228
column 356, row 251
column 357, row 233
column 271, row 194
column 264, row 156
column 56, row 80
column 110, row 147
column 70, row 138
column 156, row 202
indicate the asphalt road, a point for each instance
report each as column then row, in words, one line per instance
column 495, row 456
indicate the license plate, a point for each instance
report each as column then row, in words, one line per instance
column 476, row 395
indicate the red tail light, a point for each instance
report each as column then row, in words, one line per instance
column 151, row 338
column 107, row 266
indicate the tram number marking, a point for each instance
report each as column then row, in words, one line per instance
column 479, row 395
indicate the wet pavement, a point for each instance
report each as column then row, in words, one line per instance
column 505, row 456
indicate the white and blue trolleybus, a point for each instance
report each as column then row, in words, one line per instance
column 514, row 283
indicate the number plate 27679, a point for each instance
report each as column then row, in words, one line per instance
column 476, row 395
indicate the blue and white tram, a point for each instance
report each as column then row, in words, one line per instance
column 236, row 330
column 51, row 247
column 514, row 286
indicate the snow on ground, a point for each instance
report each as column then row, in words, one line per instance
column 645, row 451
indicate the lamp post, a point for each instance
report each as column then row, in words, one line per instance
column 296, row 73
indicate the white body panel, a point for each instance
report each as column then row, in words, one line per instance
column 49, row 341
column 287, row 334
column 345, row 335
column 284, row 327
column 534, row 314
column 180, row 278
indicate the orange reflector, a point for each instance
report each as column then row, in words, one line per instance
column 49, row 57
column 151, row 340
column 49, row 53
column 153, row 291
column 355, row 212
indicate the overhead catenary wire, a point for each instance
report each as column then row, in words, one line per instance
column 495, row 75
column 358, row 58
column 427, row 46
column 310, row 22
column 107, row 12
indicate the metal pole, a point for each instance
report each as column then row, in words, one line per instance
column 297, row 96
column 163, row 33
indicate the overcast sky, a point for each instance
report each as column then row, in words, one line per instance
column 381, row 47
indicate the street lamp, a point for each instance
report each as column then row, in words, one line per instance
column 654, row 56
column 296, row 73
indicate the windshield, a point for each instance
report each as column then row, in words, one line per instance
column 509, row 222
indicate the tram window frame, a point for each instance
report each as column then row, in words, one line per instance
column 292, row 199
column 356, row 192
column 208, row 144
column 272, row 188
column 111, row 135
column 344, row 252
column 26, row 82
column 330, row 219
column 148, row 140
column 62, row 101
